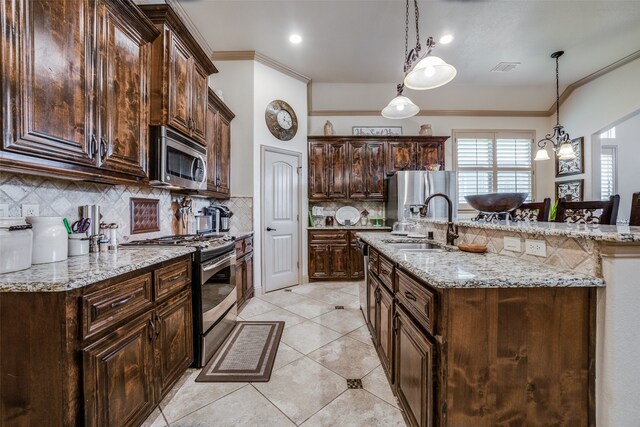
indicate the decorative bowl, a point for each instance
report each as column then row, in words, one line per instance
column 496, row 202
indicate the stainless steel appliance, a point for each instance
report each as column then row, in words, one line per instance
column 214, row 289
column 407, row 191
column 222, row 217
column 362, row 286
column 176, row 161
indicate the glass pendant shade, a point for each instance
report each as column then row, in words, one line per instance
column 542, row 154
column 400, row 107
column 566, row 151
column 431, row 72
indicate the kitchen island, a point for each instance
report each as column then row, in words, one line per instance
column 482, row 339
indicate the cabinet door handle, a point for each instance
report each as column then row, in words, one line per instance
column 152, row 329
column 410, row 296
column 385, row 272
column 174, row 278
column 93, row 149
column 159, row 325
column 103, row 148
column 122, row 301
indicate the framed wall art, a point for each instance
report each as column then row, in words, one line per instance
column 575, row 166
column 377, row 130
column 573, row 189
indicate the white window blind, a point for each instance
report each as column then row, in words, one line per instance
column 489, row 162
column 607, row 172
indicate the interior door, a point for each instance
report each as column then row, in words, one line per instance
column 281, row 241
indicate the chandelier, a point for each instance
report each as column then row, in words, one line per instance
column 559, row 139
column 430, row 72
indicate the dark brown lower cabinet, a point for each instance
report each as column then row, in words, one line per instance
column 118, row 375
column 372, row 295
column 413, row 370
column 244, row 270
column 384, row 329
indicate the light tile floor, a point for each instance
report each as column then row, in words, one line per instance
column 321, row 348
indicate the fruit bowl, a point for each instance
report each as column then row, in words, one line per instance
column 496, row 202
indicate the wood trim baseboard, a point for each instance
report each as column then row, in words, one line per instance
column 252, row 55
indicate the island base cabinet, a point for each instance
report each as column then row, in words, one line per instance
column 413, row 371
column 384, row 329
column 118, row 373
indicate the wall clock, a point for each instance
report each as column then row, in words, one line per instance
column 281, row 120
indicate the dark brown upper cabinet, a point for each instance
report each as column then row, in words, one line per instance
column 218, row 134
column 179, row 75
column 355, row 167
column 74, row 79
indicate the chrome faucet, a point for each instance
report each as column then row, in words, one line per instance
column 452, row 230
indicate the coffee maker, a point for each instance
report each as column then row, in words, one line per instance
column 221, row 217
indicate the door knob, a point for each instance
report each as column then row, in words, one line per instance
column 271, row 229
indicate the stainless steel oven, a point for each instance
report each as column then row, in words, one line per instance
column 176, row 161
column 215, row 297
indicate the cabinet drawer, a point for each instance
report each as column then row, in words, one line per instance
column 239, row 248
column 374, row 261
column 324, row 236
column 386, row 273
column 172, row 278
column 248, row 245
column 104, row 308
column 417, row 299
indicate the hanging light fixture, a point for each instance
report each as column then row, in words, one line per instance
column 559, row 139
column 430, row 72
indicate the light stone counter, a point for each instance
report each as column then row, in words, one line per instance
column 456, row 269
column 80, row 271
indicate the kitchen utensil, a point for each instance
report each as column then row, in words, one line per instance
column 81, row 226
column 16, row 240
column 328, row 221
column 50, row 239
column 347, row 213
column 476, row 249
column 66, row 225
column 78, row 244
column 496, row 202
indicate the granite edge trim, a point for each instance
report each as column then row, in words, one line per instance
column 586, row 281
column 63, row 286
column 591, row 234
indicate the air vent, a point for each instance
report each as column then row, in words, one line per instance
column 504, row 67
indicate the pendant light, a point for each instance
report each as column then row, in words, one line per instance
column 430, row 72
column 559, row 139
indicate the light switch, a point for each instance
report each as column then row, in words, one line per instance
column 512, row 244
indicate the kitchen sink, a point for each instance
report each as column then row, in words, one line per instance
column 417, row 247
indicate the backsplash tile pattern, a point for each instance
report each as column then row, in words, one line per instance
column 374, row 208
column 56, row 197
column 242, row 208
column 581, row 255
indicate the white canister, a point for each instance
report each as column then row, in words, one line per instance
column 15, row 245
column 78, row 244
column 49, row 239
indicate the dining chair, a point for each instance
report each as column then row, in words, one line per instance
column 585, row 212
column 534, row 211
column 634, row 217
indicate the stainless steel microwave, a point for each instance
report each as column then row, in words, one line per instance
column 176, row 161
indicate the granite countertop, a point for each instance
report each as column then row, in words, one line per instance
column 456, row 269
column 80, row 271
column 240, row 234
column 599, row 232
column 350, row 227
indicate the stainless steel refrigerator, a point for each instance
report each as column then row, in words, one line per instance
column 407, row 191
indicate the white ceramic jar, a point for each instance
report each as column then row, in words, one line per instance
column 78, row 244
column 15, row 245
column 49, row 239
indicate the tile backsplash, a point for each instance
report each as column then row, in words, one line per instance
column 56, row 197
column 374, row 208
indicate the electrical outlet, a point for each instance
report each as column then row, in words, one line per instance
column 4, row 210
column 512, row 244
column 536, row 247
column 30, row 210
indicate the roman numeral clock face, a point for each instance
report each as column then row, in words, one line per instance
column 281, row 120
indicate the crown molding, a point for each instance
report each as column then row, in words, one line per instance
column 467, row 113
column 252, row 55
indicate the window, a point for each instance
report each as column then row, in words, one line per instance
column 493, row 162
column 608, row 160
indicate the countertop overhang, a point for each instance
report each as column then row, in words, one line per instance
column 457, row 269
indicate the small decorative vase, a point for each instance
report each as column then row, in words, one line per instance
column 425, row 130
column 328, row 128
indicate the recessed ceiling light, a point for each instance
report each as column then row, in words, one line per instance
column 446, row 39
column 295, row 38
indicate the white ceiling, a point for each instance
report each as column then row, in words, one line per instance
column 362, row 41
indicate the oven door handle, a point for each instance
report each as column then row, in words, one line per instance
column 219, row 263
